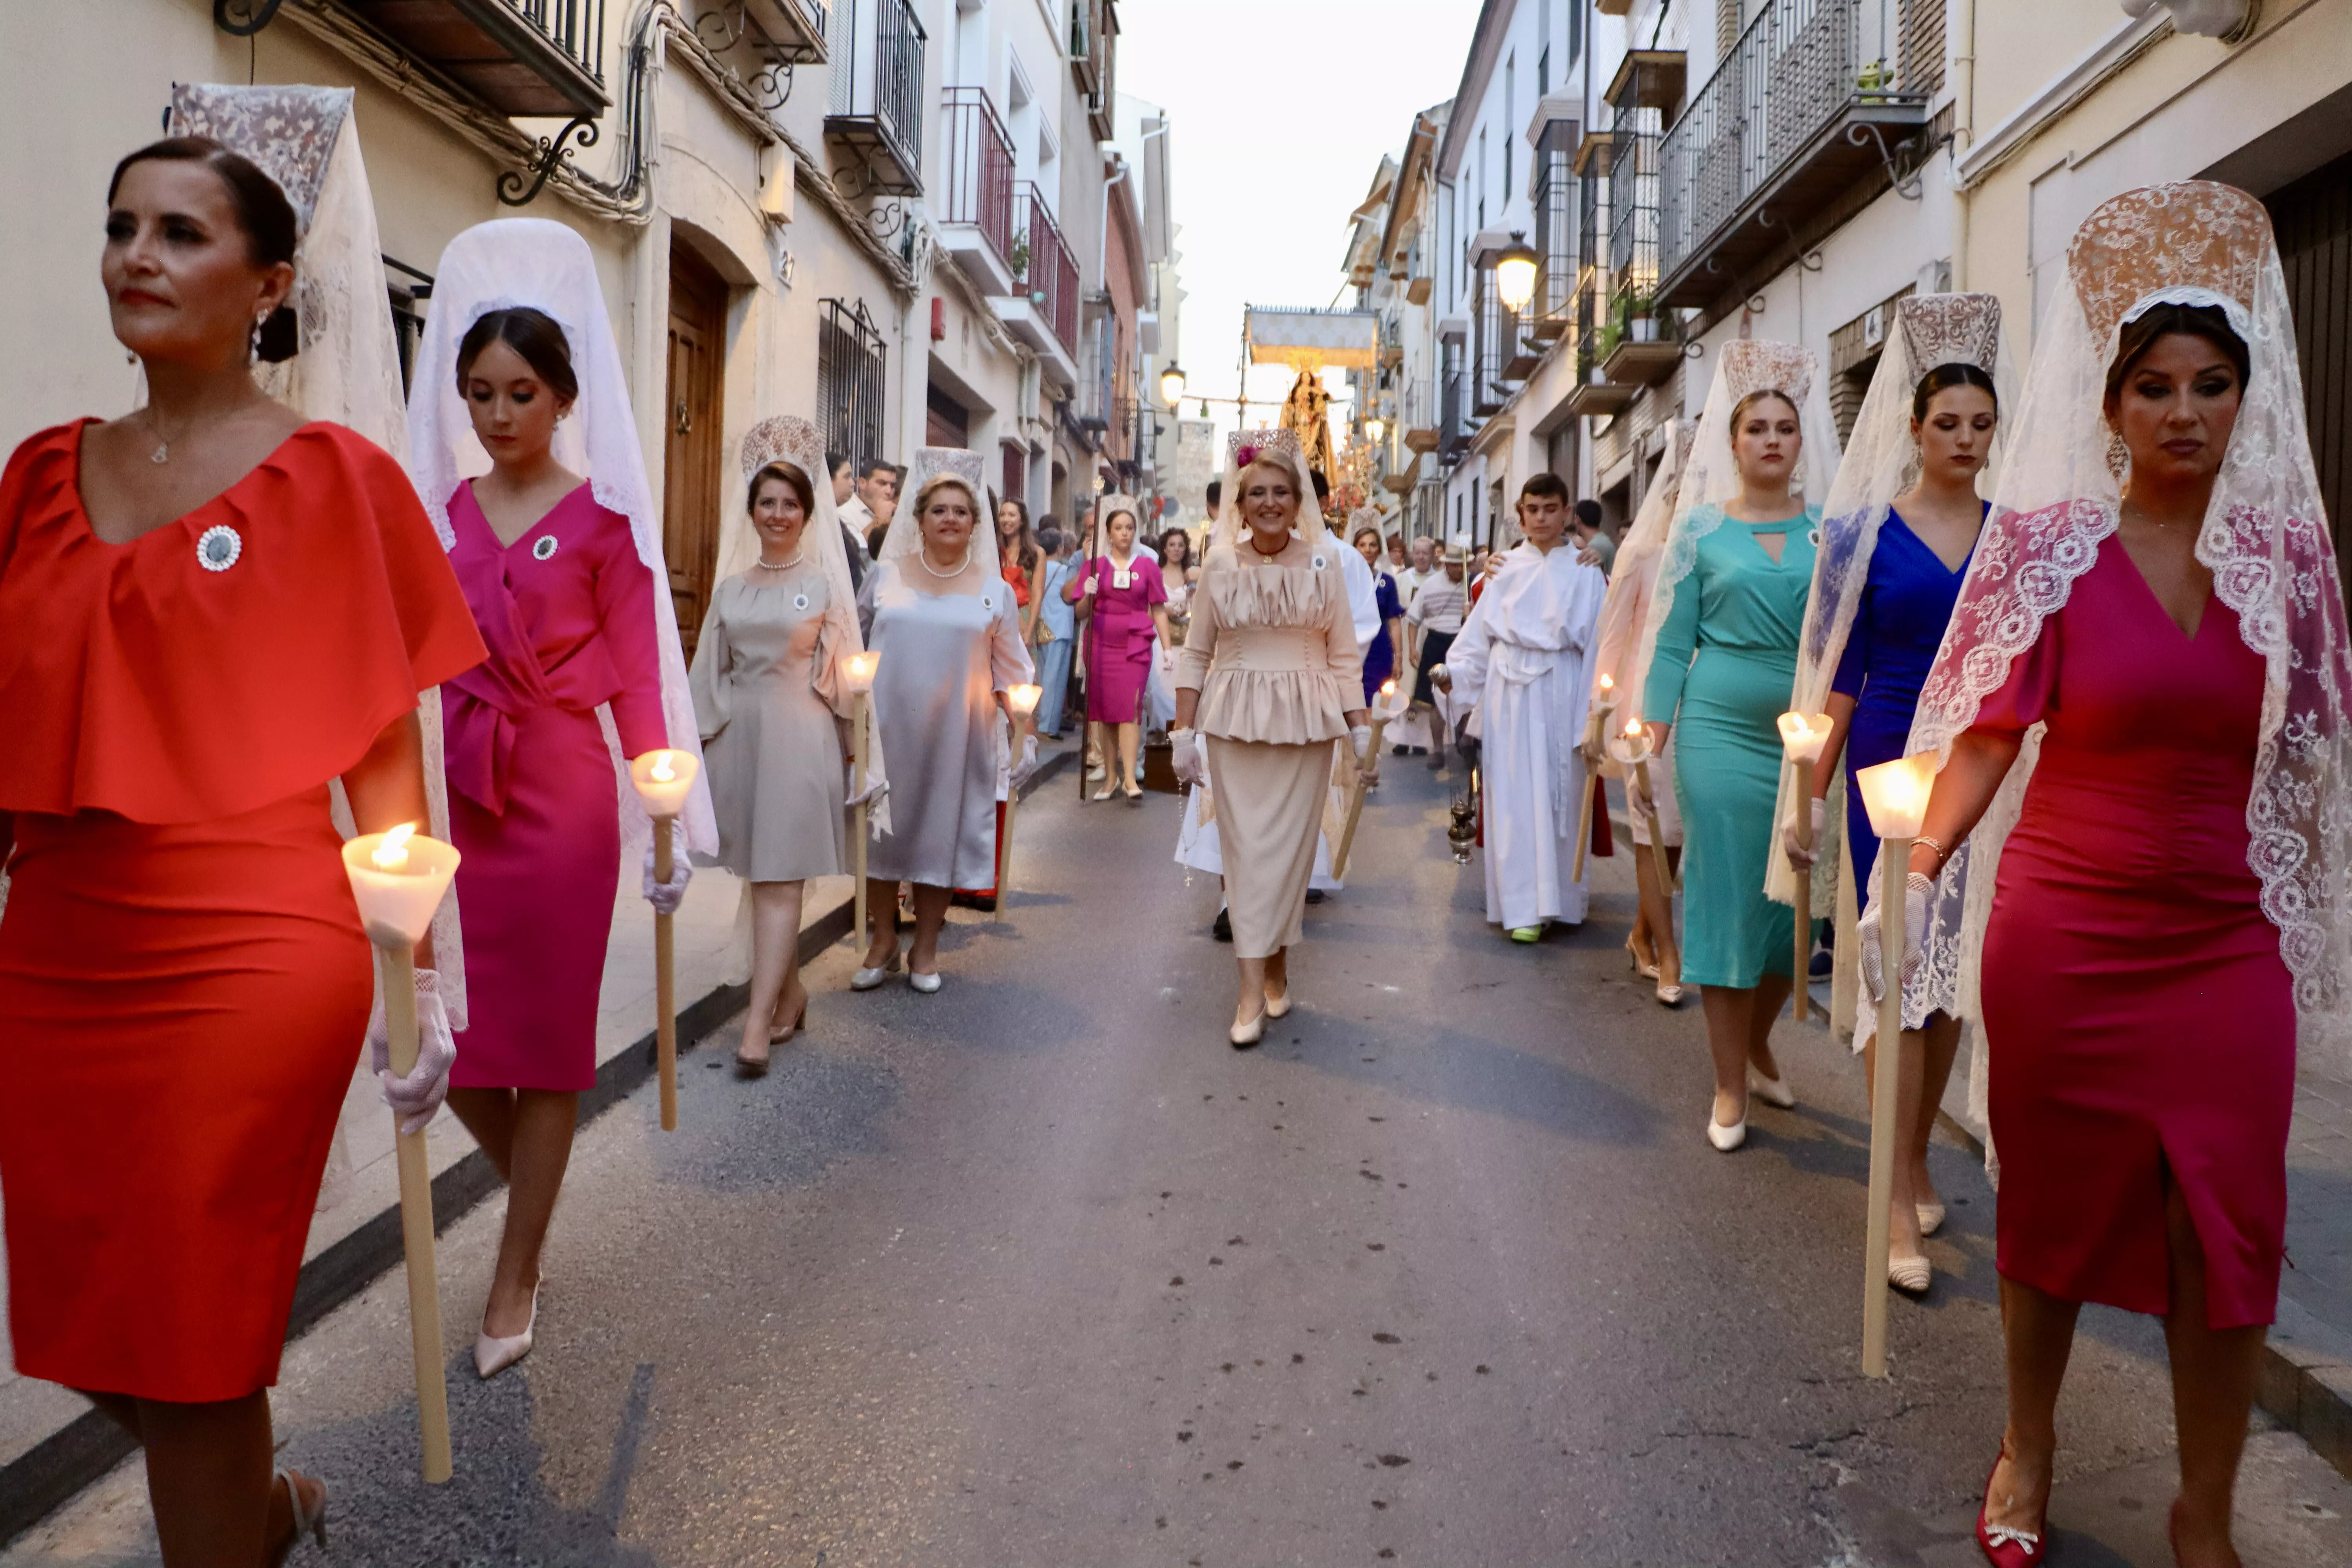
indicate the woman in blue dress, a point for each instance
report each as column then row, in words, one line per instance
column 1902, row 528
column 1730, row 602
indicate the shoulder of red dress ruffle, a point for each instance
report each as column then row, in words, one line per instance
column 41, row 471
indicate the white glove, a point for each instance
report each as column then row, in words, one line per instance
column 1167, row 659
column 1026, row 765
column 1637, row 793
column 1916, row 891
column 664, row 897
column 1441, row 678
column 1094, row 581
column 1360, row 736
column 1803, row 856
column 415, row 1098
column 877, row 786
column 1190, row 760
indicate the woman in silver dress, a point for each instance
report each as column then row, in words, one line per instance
column 948, row 632
column 771, row 701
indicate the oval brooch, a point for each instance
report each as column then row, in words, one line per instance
column 1813, row 537
column 988, row 603
column 218, row 547
column 545, row 549
column 1317, row 563
column 799, row 601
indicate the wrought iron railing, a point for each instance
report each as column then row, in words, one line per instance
column 876, row 64
column 1556, row 244
column 575, row 27
column 1794, row 69
column 850, row 382
column 1633, row 214
column 979, row 168
column 1042, row 264
column 1453, row 433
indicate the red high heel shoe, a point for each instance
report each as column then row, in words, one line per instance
column 2005, row 1546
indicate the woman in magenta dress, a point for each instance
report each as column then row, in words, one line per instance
column 1122, row 597
column 569, row 608
column 2139, row 1005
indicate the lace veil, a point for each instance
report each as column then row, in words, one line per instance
column 1617, row 637
column 516, row 262
column 347, row 368
column 1243, row 447
column 1710, row 477
column 906, row 535
column 2264, row 538
column 1881, row 462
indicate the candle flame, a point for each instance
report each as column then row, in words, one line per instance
column 663, row 770
column 1607, row 684
column 392, row 855
column 1632, row 728
column 1388, row 689
column 1025, row 697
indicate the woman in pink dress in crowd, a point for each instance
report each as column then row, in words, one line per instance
column 1121, row 594
column 2156, row 599
column 566, row 601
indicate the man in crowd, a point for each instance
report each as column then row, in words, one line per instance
column 869, row 511
column 1520, row 664
column 1432, row 620
column 1594, row 544
column 852, row 538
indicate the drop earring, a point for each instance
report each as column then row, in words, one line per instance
column 253, row 344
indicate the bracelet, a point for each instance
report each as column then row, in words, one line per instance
column 1941, row 853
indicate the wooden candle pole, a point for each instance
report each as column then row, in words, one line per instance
column 1804, row 892
column 416, row 1221
column 1894, row 861
column 862, row 826
column 1669, row 953
column 1356, row 800
column 1595, row 723
column 665, row 981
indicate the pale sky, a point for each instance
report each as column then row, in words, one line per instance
column 1278, row 112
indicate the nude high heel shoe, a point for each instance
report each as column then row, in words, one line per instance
column 307, row 1521
column 493, row 1356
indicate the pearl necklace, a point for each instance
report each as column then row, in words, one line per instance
column 768, row 566
column 924, row 556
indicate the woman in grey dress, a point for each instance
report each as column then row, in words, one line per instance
column 771, row 701
column 949, row 635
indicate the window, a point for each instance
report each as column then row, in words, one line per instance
column 849, row 379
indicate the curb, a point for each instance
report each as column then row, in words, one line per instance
column 51, row 1472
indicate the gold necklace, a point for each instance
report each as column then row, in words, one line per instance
column 163, row 452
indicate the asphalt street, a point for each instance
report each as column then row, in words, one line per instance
column 1039, row 1271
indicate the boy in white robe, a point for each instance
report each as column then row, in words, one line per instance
column 1521, row 661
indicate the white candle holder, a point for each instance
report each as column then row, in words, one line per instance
column 664, row 779
column 1803, row 736
column 1024, row 699
column 858, row 672
column 1896, row 794
column 398, row 878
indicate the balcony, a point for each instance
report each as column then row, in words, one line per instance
column 1557, row 261
column 526, row 58
column 795, row 29
column 1455, row 438
column 1043, row 309
column 1422, row 433
column 1595, row 393
column 1795, row 120
column 875, row 114
column 1093, row 60
column 976, row 204
column 1637, row 344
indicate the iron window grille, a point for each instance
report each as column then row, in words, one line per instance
column 850, row 382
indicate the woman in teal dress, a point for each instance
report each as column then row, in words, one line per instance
column 1725, row 658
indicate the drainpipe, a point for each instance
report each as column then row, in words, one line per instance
column 1964, row 118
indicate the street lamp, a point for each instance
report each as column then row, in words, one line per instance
column 1171, row 384
column 1515, row 273
column 1373, row 429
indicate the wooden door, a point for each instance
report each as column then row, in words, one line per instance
column 693, row 491
column 2314, row 220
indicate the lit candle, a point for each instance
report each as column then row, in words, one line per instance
column 1802, row 735
column 1896, row 794
column 398, row 878
column 1388, row 695
column 1024, row 699
column 858, row 672
column 664, row 779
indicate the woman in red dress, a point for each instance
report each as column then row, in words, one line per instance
column 2177, row 642
column 189, row 656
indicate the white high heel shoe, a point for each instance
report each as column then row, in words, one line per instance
column 1770, row 1090
column 493, row 1356
column 867, row 979
column 1931, row 1218
column 1910, row 1275
column 1725, row 1139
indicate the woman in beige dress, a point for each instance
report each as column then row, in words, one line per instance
column 770, row 700
column 1269, row 678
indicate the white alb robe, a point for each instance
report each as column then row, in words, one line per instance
column 1520, row 660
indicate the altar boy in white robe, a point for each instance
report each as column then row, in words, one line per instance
column 1520, row 662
